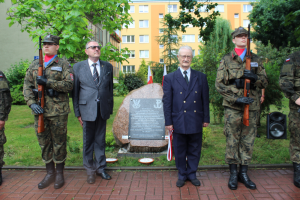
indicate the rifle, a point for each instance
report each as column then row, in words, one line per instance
column 247, row 81
column 41, row 89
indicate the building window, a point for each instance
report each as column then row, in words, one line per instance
column 188, row 25
column 144, row 24
column 131, row 25
column 203, row 8
column 187, row 10
column 161, row 60
column 199, row 51
column 172, row 8
column 193, row 52
column 128, row 69
column 219, row 8
column 246, row 22
column 188, row 38
column 131, row 9
column 132, row 54
column 236, row 15
column 161, row 46
column 161, row 30
column 144, row 38
column 128, row 38
column 161, row 15
column 144, row 54
column 200, row 39
column 174, row 52
column 143, row 9
column 247, row 8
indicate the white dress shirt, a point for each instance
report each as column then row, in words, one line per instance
column 92, row 67
column 188, row 74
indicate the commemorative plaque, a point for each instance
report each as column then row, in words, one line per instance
column 146, row 119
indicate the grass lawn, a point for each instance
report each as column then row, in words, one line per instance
column 22, row 148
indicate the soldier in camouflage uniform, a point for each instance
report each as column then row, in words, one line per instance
column 230, row 84
column 58, row 82
column 5, row 104
column 290, row 84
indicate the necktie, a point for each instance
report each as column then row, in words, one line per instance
column 185, row 77
column 95, row 74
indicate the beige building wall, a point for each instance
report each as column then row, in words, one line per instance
column 233, row 11
column 15, row 45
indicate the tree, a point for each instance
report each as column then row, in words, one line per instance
column 268, row 21
column 219, row 43
column 170, row 40
column 143, row 71
column 185, row 17
column 68, row 19
column 294, row 18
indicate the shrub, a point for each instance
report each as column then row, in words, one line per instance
column 121, row 87
column 15, row 76
column 74, row 146
column 205, row 133
column 132, row 82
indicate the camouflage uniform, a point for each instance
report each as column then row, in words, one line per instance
column 239, row 138
column 5, row 105
column 290, row 84
column 59, row 75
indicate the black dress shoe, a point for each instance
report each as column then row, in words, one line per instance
column 180, row 183
column 104, row 175
column 90, row 179
column 195, row 182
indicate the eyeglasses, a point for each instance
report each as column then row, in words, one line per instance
column 186, row 57
column 94, row 47
column 49, row 43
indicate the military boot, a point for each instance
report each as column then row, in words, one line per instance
column 0, row 176
column 296, row 174
column 59, row 178
column 50, row 176
column 244, row 178
column 233, row 179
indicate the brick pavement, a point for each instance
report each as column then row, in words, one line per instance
column 146, row 185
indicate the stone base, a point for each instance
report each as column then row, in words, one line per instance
column 123, row 152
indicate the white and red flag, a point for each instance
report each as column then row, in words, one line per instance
column 165, row 73
column 150, row 80
column 170, row 153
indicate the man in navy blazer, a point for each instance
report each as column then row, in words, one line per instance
column 186, row 110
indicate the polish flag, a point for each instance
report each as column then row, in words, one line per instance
column 165, row 73
column 149, row 76
column 170, row 153
column 287, row 60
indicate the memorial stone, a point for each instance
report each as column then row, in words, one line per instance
column 151, row 93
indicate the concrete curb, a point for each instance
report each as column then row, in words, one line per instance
column 204, row 167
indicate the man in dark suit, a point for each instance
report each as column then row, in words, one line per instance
column 186, row 110
column 93, row 105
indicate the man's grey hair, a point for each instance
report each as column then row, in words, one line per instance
column 185, row 47
column 87, row 44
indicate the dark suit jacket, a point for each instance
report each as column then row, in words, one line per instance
column 186, row 107
column 85, row 91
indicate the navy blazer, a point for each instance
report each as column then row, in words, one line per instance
column 186, row 107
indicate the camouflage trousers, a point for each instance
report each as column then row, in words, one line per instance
column 294, row 128
column 239, row 138
column 53, row 141
column 2, row 142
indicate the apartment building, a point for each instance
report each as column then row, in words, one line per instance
column 140, row 36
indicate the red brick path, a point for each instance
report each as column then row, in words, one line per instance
column 133, row 185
